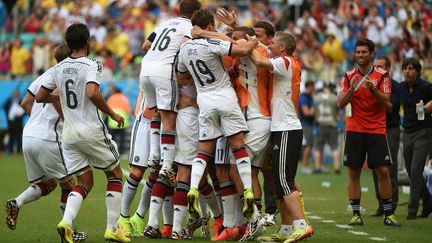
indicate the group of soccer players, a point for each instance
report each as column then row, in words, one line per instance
column 208, row 106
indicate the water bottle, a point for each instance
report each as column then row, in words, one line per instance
column 420, row 111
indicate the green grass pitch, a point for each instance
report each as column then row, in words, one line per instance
column 326, row 207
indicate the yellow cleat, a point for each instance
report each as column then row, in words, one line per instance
column 276, row 237
column 65, row 232
column 138, row 225
column 119, row 236
column 300, row 234
column 125, row 224
column 249, row 201
column 192, row 198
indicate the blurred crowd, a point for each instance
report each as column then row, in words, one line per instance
column 327, row 31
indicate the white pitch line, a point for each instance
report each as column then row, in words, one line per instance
column 343, row 226
column 357, row 232
column 126, row 174
column 328, row 221
column 378, row 238
column 314, row 217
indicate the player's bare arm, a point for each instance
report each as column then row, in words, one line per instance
column 184, row 79
column 344, row 97
column 261, row 61
column 57, row 107
column 243, row 49
column 94, row 94
column 197, row 32
column 27, row 102
column 45, row 95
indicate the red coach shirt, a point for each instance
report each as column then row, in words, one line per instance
column 367, row 115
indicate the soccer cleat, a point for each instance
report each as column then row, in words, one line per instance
column 300, row 234
column 153, row 233
column 227, row 234
column 248, row 208
column 192, row 198
column 169, row 175
column 218, row 224
column 78, row 236
column 276, row 237
column 153, row 161
column 205, row 228
column 166, row 231
column 120, row 236
column 356, row 220
column 242, row 230
column 137, row 224
column 193, row 225
column 254, row 229
column 125, row 223
column 391, row 221
column 183, row 235
column 271, row 219
column 65, row 232
column 11, row 209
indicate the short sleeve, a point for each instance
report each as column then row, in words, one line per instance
column 343, row 84
column 220, row 47
column 181, row 67
column 151, row 37
column 47, row 81
column 94, row 73
column 280, row 65
column 386, row 84
column 34, row 87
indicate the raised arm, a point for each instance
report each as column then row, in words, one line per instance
column 243, row 48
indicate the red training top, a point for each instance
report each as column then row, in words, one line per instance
column 367, row 115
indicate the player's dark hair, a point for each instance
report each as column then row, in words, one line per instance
column 266, row 26
column 386, row 61
column 366, row 42
column 203, row 18
column 413, row 62
column 61, row 52
column 309, row 83
column 77, row 36
column 188, row 7
column 247, row 30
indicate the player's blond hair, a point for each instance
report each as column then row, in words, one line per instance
column 61, row 52
column 287, row 40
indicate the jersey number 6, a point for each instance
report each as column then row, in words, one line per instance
column 71, row 98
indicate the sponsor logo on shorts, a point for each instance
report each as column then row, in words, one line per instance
column 275, row 147
column 204, row 135
column 136, row 158
column 387, row 157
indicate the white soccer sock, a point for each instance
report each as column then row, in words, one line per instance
column 239, row 216
column 168, row 211
column 73, row 206
column 179, row 217
column 212, row 203
column 32, row 193
column 198, row 168
column 243, row 166
column 155, row 207
column 167, row 148
column 144, row 203
column 286, row 229
column 113, row 201
column 155, row 137
column 229, row 210
column 299, row 224
column 129, row 191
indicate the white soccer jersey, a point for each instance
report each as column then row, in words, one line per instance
column 203, row 59
column 160, row 58
column 44, row 120
column 286, row 90
column 82, row 121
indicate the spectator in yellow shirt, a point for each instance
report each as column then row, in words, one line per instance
column 19, row 57
column 117, row 42
column 332, row 48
